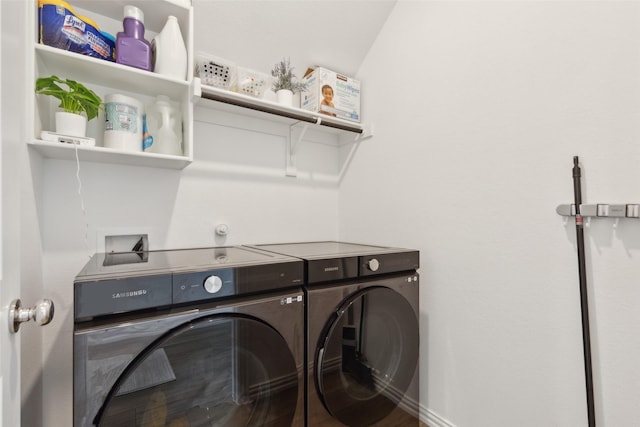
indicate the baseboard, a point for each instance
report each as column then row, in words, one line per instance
column 425, row 415
column 275, row 385
column 432, row 419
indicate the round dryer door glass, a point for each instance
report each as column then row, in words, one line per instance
column 214, row 371
column 368, row 356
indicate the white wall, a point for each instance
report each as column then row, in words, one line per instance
column 479, row 108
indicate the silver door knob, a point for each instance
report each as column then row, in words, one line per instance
column 41, row 313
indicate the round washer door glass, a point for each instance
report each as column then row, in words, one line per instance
column 214, row 371
column 368, row 356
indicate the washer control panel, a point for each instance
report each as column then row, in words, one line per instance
column 203, row 285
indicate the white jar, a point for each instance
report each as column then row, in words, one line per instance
column 123, row 123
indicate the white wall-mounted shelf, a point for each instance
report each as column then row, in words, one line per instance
column 299, row 121
column 56, row 150
column 246, row 105
column 105, row 77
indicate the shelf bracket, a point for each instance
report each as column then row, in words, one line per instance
column 296, row 134
column 349, row 157
column 367, row 132
column 355, row 141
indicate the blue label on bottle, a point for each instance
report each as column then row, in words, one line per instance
column 147, row 138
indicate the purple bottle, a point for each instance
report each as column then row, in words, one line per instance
column 131, row 47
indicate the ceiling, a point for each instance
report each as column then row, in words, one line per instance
column 335, row 34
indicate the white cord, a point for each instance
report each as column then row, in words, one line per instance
column 84, row 211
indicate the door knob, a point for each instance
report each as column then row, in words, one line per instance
column 41, row 313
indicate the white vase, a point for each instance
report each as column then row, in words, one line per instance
column 169, row 52
column 71, row 124
column 285, row 97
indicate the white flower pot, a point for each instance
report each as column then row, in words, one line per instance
column 71, row 124
column 285, row 97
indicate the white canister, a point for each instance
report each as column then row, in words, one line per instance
column 123, row 123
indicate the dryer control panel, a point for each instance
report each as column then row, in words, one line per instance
column 203, row 285
column 372, row 265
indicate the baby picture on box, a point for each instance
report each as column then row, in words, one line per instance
column 331, row 93
column 326, row 105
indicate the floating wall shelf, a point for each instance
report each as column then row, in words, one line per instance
column 298, row 120
column 257, row 107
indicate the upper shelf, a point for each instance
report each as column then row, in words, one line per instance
column 109, row 74
column 155, row 12
column 247, row 105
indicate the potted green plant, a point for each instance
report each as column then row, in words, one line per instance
column 286, row 83
column 75, row 99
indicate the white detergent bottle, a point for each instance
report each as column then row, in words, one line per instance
column 164, row 128
column 169, row 52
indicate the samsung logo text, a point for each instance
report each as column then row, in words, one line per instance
column 129, row 294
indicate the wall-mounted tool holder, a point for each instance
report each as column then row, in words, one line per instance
column 601, row 210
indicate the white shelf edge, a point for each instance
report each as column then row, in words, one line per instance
column 56, row 150
column 107, row 73
column 206, row 96
column 154, row 20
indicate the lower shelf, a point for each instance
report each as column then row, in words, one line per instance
column 56, row 150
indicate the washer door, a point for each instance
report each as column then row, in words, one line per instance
column 220, row 370
column 367, row 356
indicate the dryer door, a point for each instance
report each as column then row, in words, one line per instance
column 222, row 370
column 367, row 356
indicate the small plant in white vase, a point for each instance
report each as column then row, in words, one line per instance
column 286, row 83
column 75, row 99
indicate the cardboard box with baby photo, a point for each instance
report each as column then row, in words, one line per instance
column 331, row 93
